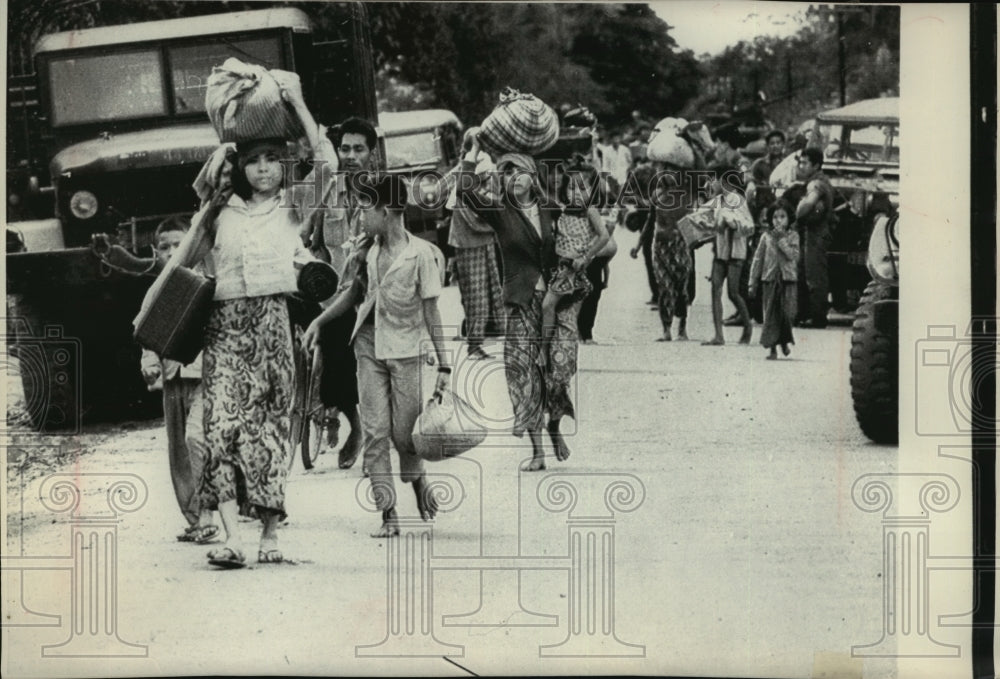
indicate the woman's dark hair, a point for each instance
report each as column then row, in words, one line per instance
column 384, row 189
column 578, row 166
column 241, row 185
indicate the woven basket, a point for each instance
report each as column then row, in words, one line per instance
column 521, row 123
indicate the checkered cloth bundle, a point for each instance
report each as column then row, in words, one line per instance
column 521, row 123
column 244, row 102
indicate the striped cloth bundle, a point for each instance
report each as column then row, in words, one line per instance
column 244, row 102
column 521, row 123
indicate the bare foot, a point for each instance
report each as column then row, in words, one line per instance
column 714, row 342
column 426, row 502
column 665, row 337
column 682, row 335
column 746, row 336
column 536, row 464
column 558, row 442
column 390, row 525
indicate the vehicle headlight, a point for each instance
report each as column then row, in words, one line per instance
column 83, row 204
column 428, row 189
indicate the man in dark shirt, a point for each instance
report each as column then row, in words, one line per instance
column 814, row 214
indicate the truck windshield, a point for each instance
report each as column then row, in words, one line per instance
column 410, row 150
column 107, row 87
column 190, row 66
column 126, row 85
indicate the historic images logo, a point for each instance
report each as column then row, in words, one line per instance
column 592, row 503
column 94, row 504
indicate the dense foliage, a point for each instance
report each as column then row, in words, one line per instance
column 614, row 58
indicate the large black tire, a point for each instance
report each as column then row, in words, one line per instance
column 875, row 370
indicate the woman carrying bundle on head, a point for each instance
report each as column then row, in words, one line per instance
column 523, row 218
column 254, row 248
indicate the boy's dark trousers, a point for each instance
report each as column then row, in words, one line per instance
column 338, row 385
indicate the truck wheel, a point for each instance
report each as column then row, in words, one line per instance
column 874, row 371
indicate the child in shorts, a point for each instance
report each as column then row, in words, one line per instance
column 182, row 410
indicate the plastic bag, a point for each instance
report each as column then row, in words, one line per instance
column 448, row 426
column 244, row 102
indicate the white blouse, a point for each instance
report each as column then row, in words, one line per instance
column 257, row 250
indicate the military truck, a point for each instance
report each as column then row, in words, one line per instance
column 875, row 338
column 861, row 158
column 116, row 137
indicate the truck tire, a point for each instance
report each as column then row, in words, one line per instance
column 875, row 371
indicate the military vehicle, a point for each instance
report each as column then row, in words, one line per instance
column 112, row 128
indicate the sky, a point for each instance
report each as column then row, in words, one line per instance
column 704, row 26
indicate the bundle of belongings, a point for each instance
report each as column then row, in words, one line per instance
column 682, row 144
column 521, row 123
column 447, row 426
column 244, row 102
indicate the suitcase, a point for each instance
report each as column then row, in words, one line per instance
column 174, row 324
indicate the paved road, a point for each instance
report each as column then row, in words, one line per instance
column 730, row 539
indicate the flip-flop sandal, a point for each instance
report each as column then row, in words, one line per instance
column 227, row 558
column 189, row 534
column 270, row 556
column 206, row 534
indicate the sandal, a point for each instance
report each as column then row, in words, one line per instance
column 270, row 556
column 206, row 534
column 189, row 533
column 268, row 552
column 227, row 558
column 478, row 354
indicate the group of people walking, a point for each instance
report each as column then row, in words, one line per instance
column 532, row 254
column 757, row 237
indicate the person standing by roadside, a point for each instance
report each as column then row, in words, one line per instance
column 475, row 259
column 760, row 195
column 773, row 275
column 399, row 312
column 814, row 214
column 733, row 225
column 616, row 161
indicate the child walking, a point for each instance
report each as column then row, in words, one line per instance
column 181, row 385
column 774, row 269
column 579, row 235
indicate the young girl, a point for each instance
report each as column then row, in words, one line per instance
column 734, row 226
column 248, row 369
column 580, row 235
column 775, row 264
